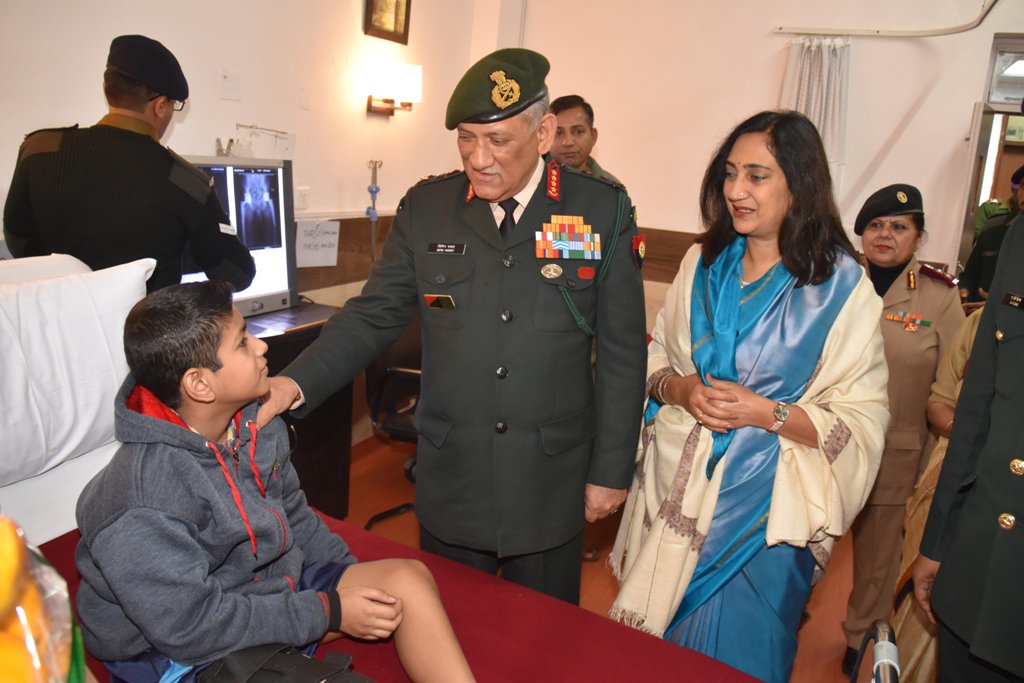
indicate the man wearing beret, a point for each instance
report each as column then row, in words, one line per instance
column 515, row 266
column 112, row 193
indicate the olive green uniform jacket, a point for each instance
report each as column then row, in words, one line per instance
column 976, row 523
column 514, row 419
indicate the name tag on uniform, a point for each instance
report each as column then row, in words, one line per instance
column 442, row 248
column 1015, row 300
column 438, row 301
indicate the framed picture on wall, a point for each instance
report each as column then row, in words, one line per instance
column 388, row 19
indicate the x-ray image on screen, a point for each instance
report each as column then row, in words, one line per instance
column 220, row 186
column 256, row 199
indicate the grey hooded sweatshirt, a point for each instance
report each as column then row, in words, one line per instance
column 195, row 549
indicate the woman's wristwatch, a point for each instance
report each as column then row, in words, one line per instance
column 781, row 414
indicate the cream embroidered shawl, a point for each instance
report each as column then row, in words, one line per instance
column 817, row 492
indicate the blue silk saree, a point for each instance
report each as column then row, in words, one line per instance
column 744, row 601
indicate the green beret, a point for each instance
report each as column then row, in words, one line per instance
column 894, row 200
column 498, row 87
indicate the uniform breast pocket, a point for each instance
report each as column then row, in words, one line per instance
column 562, row 294
column 445, row 284
column 1009, row 375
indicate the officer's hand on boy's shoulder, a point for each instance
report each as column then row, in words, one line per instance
column 369, row 613
column 284, row 395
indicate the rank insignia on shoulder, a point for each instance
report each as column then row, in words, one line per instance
column 911, row 280
column 568, row 237
column 938, row 275
column 439, row 176
column 639, row 250
column 554, row 182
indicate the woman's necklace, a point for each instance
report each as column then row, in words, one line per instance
column 744, row 283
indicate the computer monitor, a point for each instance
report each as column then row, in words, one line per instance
column 257, row 196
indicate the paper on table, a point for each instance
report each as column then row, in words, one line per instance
column 316, row 243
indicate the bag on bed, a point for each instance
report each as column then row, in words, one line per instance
column 280, row 664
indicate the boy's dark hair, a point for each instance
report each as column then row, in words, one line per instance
column 124, row 92
column 812, row 233
column 174, row 329
column 567, row 102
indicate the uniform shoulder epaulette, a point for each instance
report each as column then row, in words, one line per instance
column 43, row 140
column 600, row 179
column 936, row 274
column 427, row 179
column 58, row 129
column 192, row 180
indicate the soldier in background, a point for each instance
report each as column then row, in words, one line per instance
column 111, row 193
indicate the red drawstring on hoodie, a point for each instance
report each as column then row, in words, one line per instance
column 144, row 402
column 235, row 494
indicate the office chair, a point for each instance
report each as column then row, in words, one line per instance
column 392, row 394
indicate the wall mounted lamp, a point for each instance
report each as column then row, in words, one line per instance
column 397, row 87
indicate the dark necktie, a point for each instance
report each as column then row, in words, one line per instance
column 509, row 221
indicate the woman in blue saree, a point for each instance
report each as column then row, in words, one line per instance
column 767, row 408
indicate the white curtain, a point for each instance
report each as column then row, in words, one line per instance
column 816, row 84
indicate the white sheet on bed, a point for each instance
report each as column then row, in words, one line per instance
column 61, row 364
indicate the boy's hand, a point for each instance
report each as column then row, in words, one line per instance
column 369, row 613
column 284, row 394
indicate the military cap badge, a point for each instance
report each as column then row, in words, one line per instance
column 506, row 91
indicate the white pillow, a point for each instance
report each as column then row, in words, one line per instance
column 39, row 267
column 62, row 363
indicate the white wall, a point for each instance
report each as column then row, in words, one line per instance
column 668, row 81
column 667, row 78
column 284, row 55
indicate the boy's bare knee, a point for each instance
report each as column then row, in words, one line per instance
column 416, row 573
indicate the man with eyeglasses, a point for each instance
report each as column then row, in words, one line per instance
column 111, row 193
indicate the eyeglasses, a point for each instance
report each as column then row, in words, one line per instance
column 177, row 104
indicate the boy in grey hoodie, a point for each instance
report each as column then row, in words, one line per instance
column 196, row 538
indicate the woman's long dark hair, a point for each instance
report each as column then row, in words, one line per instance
column 812, row 232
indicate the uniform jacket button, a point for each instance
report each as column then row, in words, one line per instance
column 1007, row 521
column 1017, row 467
column 501, row 372
column 506, row 316
column 1000, row 336
column 571, row 284
column 440, row 278
column 501, row 427
column 509, row 261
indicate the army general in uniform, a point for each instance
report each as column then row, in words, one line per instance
column 921, row 314
column 515, row 265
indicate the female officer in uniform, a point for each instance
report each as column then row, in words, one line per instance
column 920, row 316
